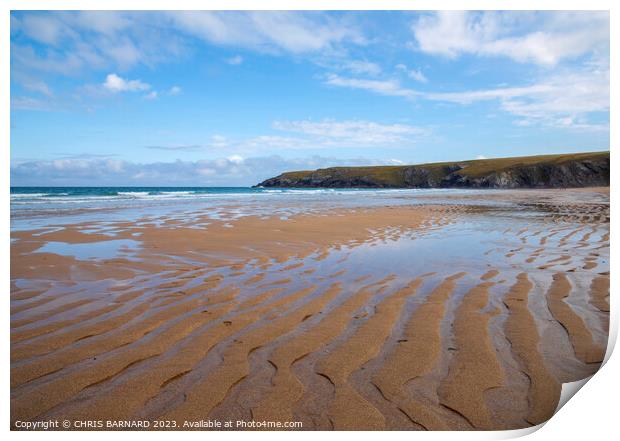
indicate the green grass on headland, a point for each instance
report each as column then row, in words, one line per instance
column 478, row 172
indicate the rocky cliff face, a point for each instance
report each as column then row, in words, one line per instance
column 581, row 170
column 585, row 173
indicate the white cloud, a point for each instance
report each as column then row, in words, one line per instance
column 504, row 93
column 235, row 61
column 414, row 74
column 43, row 28
column 25, row 59
column 234, row 170
column 381, row 87
column 108, row 22
column 320, row 135
column 309, row 135
column 71, row 42
column 29, row 103
column 557, row 35
column 177, row 148
column 175, row 90
column 219, row 141
column 268, row 31
column 362, row 67
column 114, row 83
column 124, row 53
column 354, row 133
column 79, row 40
column 152, row 95
column 266, row 143
column 35, row 85
column 418, row 76
column 562, row 100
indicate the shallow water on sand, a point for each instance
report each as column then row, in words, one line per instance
column 38, row 207
column 106, row 249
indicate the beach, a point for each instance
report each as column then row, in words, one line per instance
column 338, row 310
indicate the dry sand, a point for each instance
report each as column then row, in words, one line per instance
column 409, row 317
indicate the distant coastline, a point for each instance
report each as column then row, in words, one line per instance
column 546, row 171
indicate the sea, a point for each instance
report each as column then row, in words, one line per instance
column 38, row 207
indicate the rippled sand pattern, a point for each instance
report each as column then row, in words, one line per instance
column 438, row 316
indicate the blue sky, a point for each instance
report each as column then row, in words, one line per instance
column 231, row 98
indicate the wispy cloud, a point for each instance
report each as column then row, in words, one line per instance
column 29, row 103
column 561, row 83
column 89, row 156
column 175, row 90
column 43, row 28
column 81, row 40
column 414, row 74
column 541, row 38
column 390, row 87
column 563, row 100
column 176, row 148
column 352, row 132
column 114, row 83
column 361, row 67
column 235, row 61
column 37, row 86
column 310, row 135
column 120, row 40
column 268, row 31
column 232, row 170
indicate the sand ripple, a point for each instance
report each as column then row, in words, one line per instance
column 412, row 317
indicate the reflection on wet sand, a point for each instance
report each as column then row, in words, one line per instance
column 464, row 313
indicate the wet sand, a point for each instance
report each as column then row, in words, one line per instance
column 463, row 313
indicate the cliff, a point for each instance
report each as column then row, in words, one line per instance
column 548, row 171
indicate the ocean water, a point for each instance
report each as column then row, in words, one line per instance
column 39, row 207
column 29, row 200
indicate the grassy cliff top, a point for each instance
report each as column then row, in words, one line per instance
column 392, row 174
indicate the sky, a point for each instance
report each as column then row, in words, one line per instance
column 231, row 98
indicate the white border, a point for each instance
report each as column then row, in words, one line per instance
column 590, row 415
